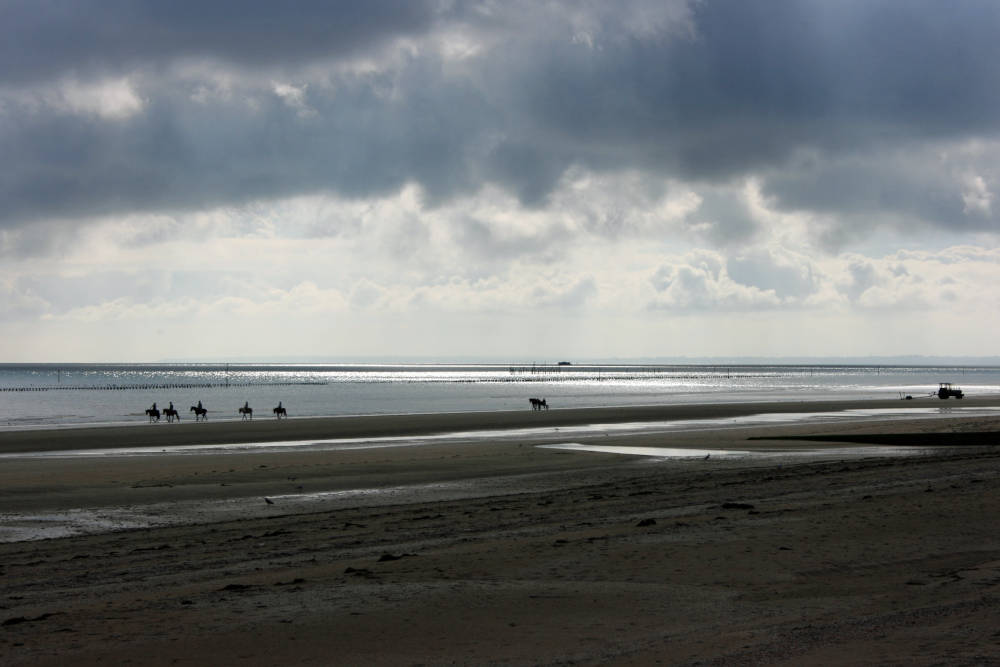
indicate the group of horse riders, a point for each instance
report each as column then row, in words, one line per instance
column 201, row 413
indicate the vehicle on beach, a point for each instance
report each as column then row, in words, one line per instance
column 946, row 390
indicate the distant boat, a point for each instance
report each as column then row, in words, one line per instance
column 564, row 363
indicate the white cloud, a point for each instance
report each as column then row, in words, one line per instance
column 699, row 281
column 947, row 280
column 111, row 99
column 114, row 99
column 977, row 197
column 294, row 97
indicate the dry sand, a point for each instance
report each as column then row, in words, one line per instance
column 500, row 552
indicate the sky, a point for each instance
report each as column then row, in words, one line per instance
column 501, row 179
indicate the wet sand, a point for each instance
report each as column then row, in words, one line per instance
column 501, row 552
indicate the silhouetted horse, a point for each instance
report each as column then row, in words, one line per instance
column 199, row 413
column 280, row 412
column 247, row 412
column 538, row 403
column 171, row 414
column 154, row 415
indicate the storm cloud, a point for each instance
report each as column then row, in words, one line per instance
column 45, row 39
column 229, row 102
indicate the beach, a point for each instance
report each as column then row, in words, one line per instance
column 858, row 541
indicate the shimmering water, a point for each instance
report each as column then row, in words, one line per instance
column 34, row 395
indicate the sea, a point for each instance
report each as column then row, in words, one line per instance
column 63, row 395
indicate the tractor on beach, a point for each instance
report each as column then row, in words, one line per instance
column 946, row 390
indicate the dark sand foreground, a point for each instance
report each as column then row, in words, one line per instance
column 499, row 552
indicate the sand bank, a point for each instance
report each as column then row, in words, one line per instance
column 502, row 552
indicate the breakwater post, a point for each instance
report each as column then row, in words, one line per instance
column 155, row 385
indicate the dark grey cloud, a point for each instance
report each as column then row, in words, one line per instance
column 40, row 39
column 757, row 80
column 871, row 90
column 734, row 89
column 181, row 154
column 906, row 187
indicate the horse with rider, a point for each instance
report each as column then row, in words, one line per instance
column 200, row 413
